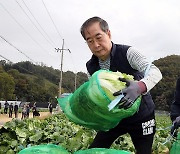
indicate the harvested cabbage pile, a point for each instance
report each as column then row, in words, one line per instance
column 88, row 105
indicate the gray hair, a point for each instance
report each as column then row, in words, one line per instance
column 103, row 25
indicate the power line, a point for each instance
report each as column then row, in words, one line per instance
column 52, row 20
column 38, row 22
column 50, row 40
column 22, row 27
column 17, row 49
column 54, row 24
column 22, row 52
column 57, row 49
column 30, row 71
column 33, row 22
column 61, row 50
column 35, row 19
column 16, row 64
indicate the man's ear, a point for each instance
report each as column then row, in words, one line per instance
column 109, row 33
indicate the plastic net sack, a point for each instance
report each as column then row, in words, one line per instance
column 101, row 151
column 88, row 105
column 44, row 149
column 175, row 149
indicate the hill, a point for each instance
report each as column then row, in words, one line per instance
column 38, row 83
column 163, row 92
column 29, row 82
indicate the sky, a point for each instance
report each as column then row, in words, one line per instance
column 30, row 30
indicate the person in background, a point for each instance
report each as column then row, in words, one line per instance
column 6, row 105
column 16, row 110
column 35, row 111
column 0, row 107
column 24, row 112
column 125, row 59
column 27, row 110
column 175, row 109
column 50, row 107
column 10, row 110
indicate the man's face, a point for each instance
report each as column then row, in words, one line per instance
column 98, row 41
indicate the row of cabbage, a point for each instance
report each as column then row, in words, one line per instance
column 57, row 129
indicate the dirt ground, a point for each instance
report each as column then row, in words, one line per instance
column 5, row 117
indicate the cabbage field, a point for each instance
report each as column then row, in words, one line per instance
column 57, row 129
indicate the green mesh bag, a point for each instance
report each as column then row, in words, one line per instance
column 101, row 151
column 175, row 149
column 88, row 105
column 44, row 149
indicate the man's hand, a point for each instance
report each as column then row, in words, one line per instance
column 175, row 126
column 132, row 92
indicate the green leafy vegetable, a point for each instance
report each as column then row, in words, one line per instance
column 88, row 106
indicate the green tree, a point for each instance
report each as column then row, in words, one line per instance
column 7, row 86
column 163, row 92
column 21, row 84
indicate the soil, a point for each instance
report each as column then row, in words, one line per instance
column 5, row 117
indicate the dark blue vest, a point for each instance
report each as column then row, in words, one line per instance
column 119, row 62
column 175, row 106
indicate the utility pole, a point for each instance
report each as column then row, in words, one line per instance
column 62, row 51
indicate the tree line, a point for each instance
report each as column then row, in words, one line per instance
column 29, row 82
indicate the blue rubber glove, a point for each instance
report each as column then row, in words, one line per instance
column 175, row 126
column 131, row 93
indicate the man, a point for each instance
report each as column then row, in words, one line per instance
column 6, row 105
column 50, row 107
column 35, row 111
column 24, row 114
column 125, row 59
column 16, row 110
column 175, row 109
column 27, row 110
column 10, row 110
